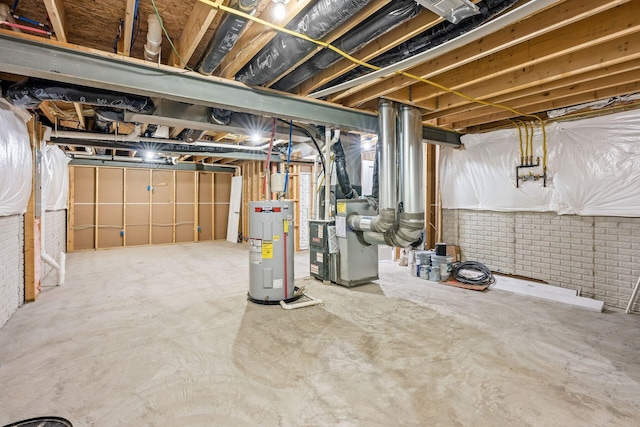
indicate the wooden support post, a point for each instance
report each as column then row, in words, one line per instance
column 173, row 210
column 124, row 207
column 32, row 226
column 150, row 189
column 431, row 207
column 213, row 206
column 71, row 211
column 97, row 227
column 196, row 208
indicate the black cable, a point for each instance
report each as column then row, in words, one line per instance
column 481, row 274
column 324, row 168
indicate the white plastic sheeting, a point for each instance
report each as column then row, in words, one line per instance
column 55, row 178
column 15, row 163
column 593, row 167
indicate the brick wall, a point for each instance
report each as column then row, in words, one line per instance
column 11, row 265
column 56, row 237
column 600, row 256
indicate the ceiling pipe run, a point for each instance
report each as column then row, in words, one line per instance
column 509, row 18
column 373, row 27
column 88, row 136
column 31, row 92
column 226, row 37
column 285, row 50
column 154, row 38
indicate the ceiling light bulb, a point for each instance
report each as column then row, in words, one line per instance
column 149, row 155
column 256, row 137
column 280, row 11
column 367, row 145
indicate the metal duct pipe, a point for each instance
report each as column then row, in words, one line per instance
column 408, row 222
column 284, row 50
column 387, row 174
column 226, row 37
column 373, row 27
column 439, row 39
column 30, row 93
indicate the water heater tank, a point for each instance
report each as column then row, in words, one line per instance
column 271, row 245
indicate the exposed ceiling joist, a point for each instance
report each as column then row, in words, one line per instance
column 78, row 107
column 543, row 91
column 195, row 29
column 517, row 37
column 55, row 9
column 127, row 31
column 557, row 44
column 255, row 37
column 360, row 16
column 388, row 41
column 558, row 101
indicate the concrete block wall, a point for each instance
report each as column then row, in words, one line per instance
column 55, row 238
column 11, row 265
column 599, row 256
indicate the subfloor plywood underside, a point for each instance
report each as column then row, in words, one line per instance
column 164, row 335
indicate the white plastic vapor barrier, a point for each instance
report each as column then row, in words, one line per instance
column 593, row 169
column 15, row 163
column 55, row 178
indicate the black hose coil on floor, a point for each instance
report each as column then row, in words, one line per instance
column 483, row 278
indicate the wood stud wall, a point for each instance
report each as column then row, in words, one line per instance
column 143, row 206
column 252, row 190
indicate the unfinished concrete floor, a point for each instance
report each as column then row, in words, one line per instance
column 164, row 336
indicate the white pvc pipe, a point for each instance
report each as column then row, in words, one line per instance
column 89, row 136
column 154, row 38
column 59, row 266
column 509, row 18
column 62, row 261
column 327, row 174
column 633, row 296
column 293, row 306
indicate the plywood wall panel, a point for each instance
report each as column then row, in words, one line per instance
column 110, row 185
column 221, row 219
column 205, row 187
column 162, row 226
column 222, row 194
column 162, row 186
column 204, row 221
column 109, row 225
column 137, row 186
column 84, row 184
column 185, row 222
column 84, row 239
column 185, row 187
column 222, row 187
column 137, row 219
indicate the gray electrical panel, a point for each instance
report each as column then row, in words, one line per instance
column 357, row 260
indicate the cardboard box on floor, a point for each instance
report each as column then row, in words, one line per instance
column 454, row 252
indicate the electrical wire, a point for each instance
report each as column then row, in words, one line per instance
column 286, row 177
column 315, row 142
column 476, row 273
column 376, row 68
column 166, row 34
